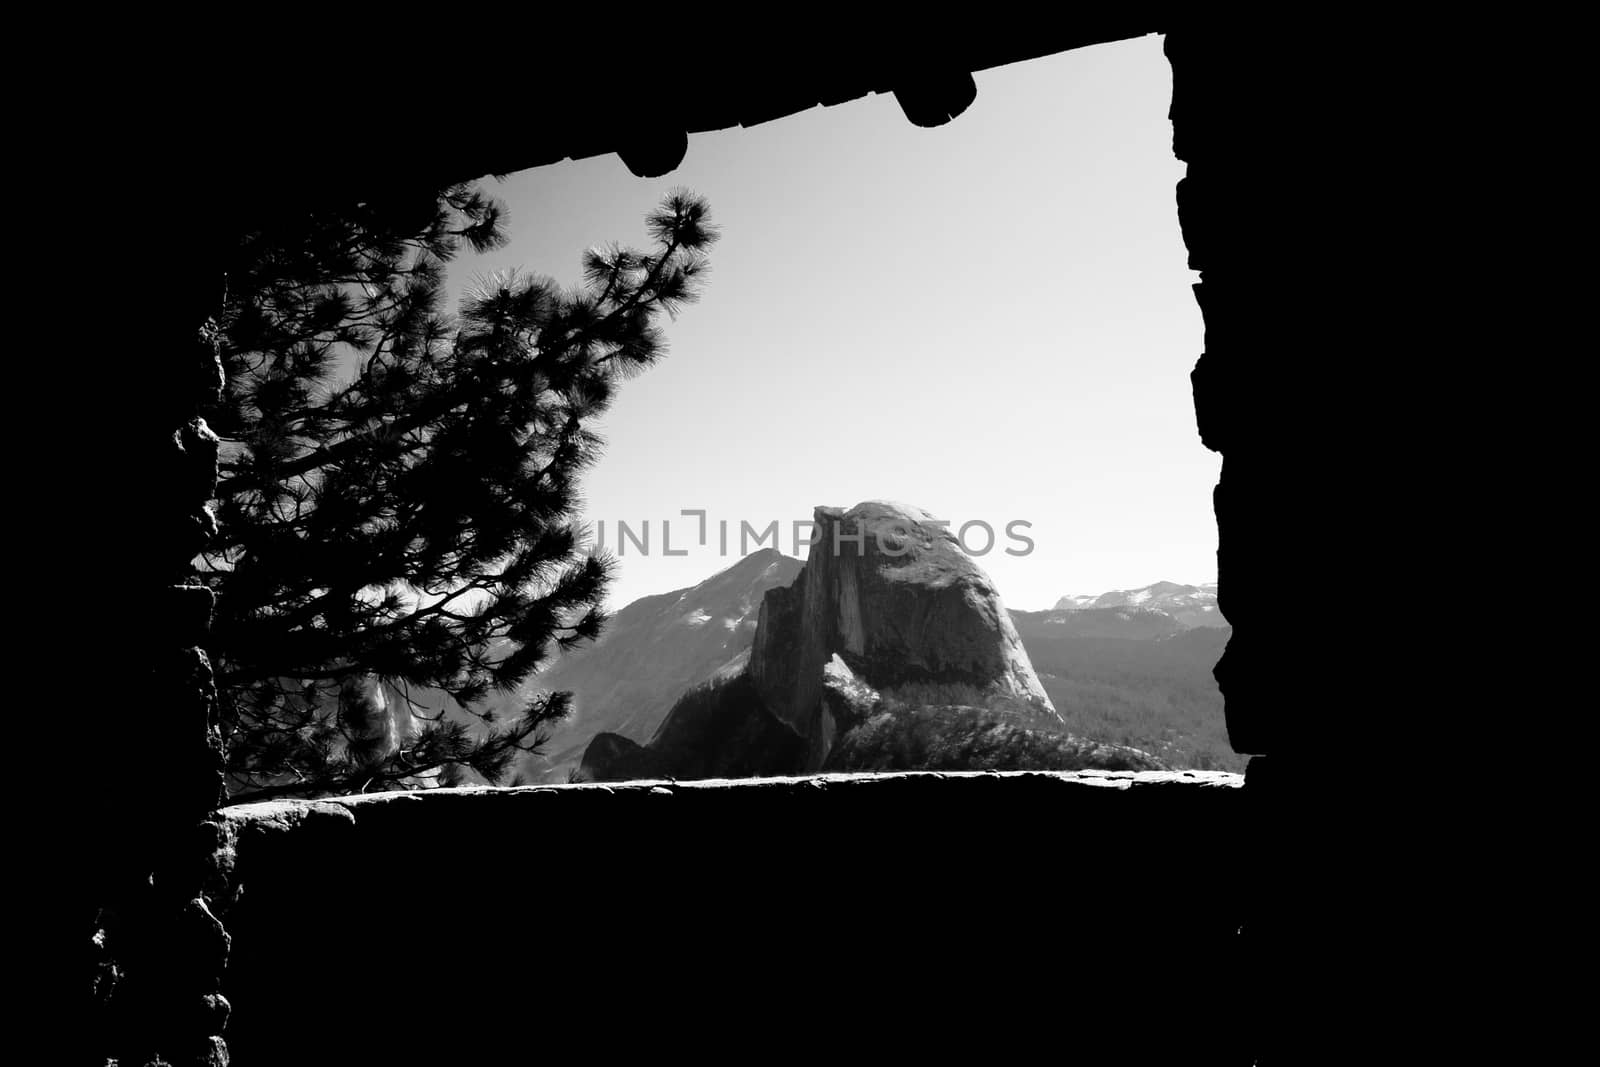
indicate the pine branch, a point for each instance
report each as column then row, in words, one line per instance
column 447, row 466
column 442, row 405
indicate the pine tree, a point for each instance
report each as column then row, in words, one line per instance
column 398, row 500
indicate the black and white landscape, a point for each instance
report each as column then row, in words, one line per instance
column 477, row 524
column 797, row 470
column 930, row 671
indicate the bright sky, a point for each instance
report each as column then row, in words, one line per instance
column 991, row 320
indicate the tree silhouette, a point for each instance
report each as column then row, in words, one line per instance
column 396, row 509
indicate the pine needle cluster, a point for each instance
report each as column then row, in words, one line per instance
column 399, row 486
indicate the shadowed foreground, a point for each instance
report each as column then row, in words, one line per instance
column 1013, row 913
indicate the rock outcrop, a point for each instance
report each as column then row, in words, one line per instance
column 890, row 592
column 924, row 729
column 719, row 730
column 890, row 650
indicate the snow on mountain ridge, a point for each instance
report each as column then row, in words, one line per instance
column 1190, row 605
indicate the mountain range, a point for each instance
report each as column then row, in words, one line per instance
column 891, row 651
column 1130, row 667
column 1190, row 605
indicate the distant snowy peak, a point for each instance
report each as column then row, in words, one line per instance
column 1150, row 596
column 1190, row 605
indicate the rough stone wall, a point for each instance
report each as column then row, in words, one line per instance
column 158, row 952
column 981, row 916
column 1287, row 143
column 1296, row 209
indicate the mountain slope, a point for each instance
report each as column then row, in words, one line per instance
column 1138, row 624
column 1134, row 677
column 1126, row 674
column 652, row 652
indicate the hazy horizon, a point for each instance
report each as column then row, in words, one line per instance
column 991, row 320
column 721, row 564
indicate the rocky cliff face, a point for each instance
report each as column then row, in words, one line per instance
column 890, row 650
column 896, row 599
